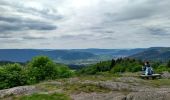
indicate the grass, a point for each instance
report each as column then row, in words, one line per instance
column 101, row 76
column 159, row 83
column 55, row 96
column 47, row 87
column 87, row 88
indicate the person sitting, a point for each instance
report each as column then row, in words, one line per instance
column 144, row 68
column 148, row 69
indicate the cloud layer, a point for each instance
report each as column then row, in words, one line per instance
column 84, row 23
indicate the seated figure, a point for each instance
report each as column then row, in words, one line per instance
column 148, row 70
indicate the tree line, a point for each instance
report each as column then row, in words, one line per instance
column 38, row 69
column 121, row 65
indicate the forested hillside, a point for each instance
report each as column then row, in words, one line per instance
column 154, row 54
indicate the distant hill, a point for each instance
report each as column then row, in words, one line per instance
column 23, row 55
column 154, row 53
column 72, row 56
column 112, row 52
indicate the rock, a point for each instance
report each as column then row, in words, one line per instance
column 89, row 82
column 166, row 75
column 129, row 79
column 115, row 86
column 73, row 80
column 154, row 95
column 54, row 83
column 18, row 91
column 98, row 96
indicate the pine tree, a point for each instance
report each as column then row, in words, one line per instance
column 168, row 65
column 113, row 63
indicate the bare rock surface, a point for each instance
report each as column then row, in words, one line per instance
column 134, row 91
column 123, row 88
column 118, row 86
column 99, row 96
column 154, row 95
column 129, row 79
column 18, row 91
column 166, row 75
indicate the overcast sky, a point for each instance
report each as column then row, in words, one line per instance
column 70, row 24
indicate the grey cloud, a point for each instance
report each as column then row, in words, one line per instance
column 75, row 24
column 5, row 36
column 18, row 24
column 44, row 13
column 158, row 31
column 137, row 9
column 78, row 37
column 32, row 38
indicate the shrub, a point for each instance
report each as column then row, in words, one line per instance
column 12, row 75
column 118, row 68
column 38, row 69
column 168, row 64
column 64, row 72
column 161, row 68
column 42, row 68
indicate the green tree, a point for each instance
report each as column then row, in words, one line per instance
column 168, row 64
column 41, row 68
column 12, row 75
column 113, row 63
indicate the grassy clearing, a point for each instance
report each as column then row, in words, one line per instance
column 47, row 87
column 88, row 88
column 159, row 83
column 55, row 96
column 101, row 76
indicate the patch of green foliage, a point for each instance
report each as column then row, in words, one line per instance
column 127, row 65
column 12, row 75
column 122, row 65
column 38, row 69
column 99, row 67
column 55, row 96
column 114, row 66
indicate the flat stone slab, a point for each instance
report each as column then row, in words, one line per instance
column 151, row 76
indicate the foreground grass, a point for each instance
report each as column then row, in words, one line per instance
column 159, row 82
column 55, row 96
column 87, row 88
column 100, row 76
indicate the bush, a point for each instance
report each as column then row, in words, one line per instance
column 12, row 75
column 64, row 72
column 118, row 68
column 120, row 65
column 127, row 65
column 161, row 68
column 38, row 69
column 42, row 68
column 99, row 67
column 168, row 64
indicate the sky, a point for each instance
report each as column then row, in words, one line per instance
column 71, row 24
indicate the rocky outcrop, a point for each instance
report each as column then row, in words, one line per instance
column 122, row 88
column 118, row 86
column 166, row 75
column 154, row 95
column 99, row 96
column 129, row 80
column 18, row 91
column 158, row 94
column 132, row 87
